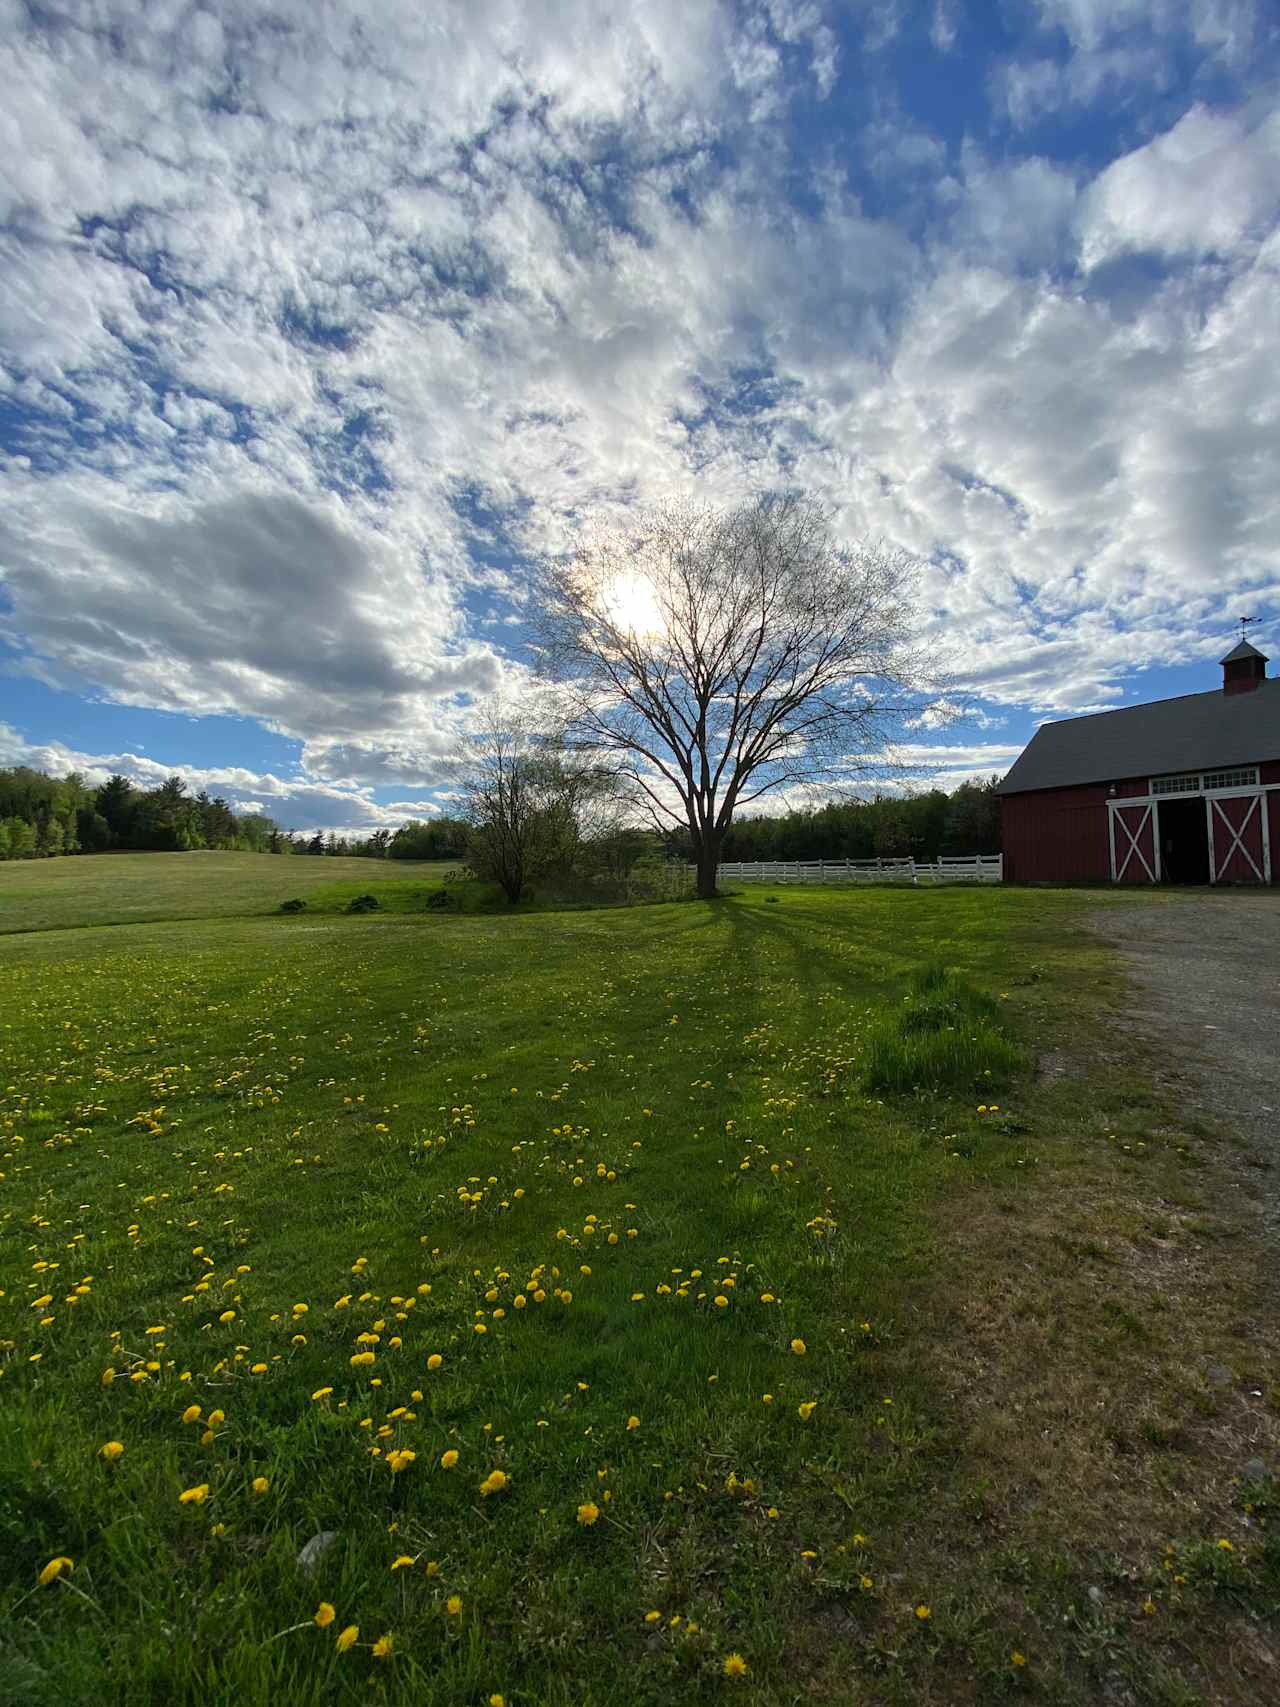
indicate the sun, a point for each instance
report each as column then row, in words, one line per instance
column 629, row 602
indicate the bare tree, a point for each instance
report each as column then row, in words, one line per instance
column 719, row 655
column 528, row 804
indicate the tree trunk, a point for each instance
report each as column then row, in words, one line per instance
column 708, row 860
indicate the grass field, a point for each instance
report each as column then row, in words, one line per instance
column 562, row 1270
column 134, row 888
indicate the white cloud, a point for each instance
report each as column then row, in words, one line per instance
column 1207, row 187
column 318, row 351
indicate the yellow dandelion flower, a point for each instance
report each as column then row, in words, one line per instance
column 322, row 1392
column 448, row 1459
column 217, row 1418
column 1226, row 1546
column 799, row 1347
column 59, row 1567
column 923, row 1613
column 720, row 1301
column 806, row 1410
column 735, row 1666
column 496, row 1700
column 324, row 1615
column 383, row 1646
column 453, row 1606
column 633, row 1422
column 111, row 1450
column 347, row 1638
column 227, row 1316
column 588, row 1513
column 494, row 1482
column 1017, row 1659
column 435, row 1360
column 260, row 1484
column 194, row 1496
column 401, row 1561
column 652, row 1617
column 191, row 1414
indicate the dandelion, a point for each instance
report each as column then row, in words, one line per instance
column 806, row 1410
column 1017, row 1659
column 633, row 1422
column 453, row 1606
column 194, row 1496
column 400, row 1459
column 1226, row 1546
column 59, row 1567
column 217, row 1418
column 324, row 1615
column 448, row 1459
column 435, row 1361
column 260, row 1484
column 652, row 1617
column 799, row 1347
column 191, row 1414
column 923, row 1613
column 766, row 1398
column 496, row 1700
column 735, row 1666
column 588, row 1513
column 227, row 1316
column 111, row 1450
column 347, row 1638
column 494, row 1482
column 401, row 1562
column 362, row 1359
column 720, row 1301
column 258, row 1369
column 383, row 1646
column 322, row 1392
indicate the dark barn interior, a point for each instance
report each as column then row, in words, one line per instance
column 1184, row 841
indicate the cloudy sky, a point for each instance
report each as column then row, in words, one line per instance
column 318, row 320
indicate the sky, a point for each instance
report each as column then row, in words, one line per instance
column 320, row 322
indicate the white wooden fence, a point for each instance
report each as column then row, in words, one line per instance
column 971, row 868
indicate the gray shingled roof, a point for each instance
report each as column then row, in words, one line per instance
column 1200, row 731
column 1243, row 649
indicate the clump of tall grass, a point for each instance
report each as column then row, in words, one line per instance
column 946, row 1036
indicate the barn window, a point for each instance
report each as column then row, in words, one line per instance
column 1245, row 777
column 1176, row 785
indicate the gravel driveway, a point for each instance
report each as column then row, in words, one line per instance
column 1206, row 970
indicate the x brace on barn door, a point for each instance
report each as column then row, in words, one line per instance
column 1116, row 815
column 1217, row 866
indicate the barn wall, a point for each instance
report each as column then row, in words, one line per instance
column 1057, row 835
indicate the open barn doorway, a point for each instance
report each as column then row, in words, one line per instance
column 1184, row 841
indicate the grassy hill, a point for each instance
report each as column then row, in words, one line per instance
column 564, row 1272
column 135, row 888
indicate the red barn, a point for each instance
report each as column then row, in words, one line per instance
column 1182, row 790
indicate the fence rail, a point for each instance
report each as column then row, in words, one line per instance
column 971, row 868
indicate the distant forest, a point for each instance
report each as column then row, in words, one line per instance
column 41, row 816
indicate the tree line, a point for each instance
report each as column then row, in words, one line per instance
column 899, row 826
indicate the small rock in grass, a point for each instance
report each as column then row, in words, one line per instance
column 1255, row 1470
column 316, row 1548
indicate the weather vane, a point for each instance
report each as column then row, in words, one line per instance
column 1244, row 626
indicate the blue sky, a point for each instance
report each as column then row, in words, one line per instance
column 315, row 329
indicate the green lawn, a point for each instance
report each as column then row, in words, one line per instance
column 596, row 1202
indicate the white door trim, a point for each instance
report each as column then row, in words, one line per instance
column 1114, row 810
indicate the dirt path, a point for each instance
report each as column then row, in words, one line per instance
column 1206, row 970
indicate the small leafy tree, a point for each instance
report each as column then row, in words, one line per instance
column 524, row 799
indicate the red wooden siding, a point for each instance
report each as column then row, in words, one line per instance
column 1056, row 835
column 1059, row 835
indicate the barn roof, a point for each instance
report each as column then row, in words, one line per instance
column 1199, row 731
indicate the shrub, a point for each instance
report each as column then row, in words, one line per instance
column 295, row 906
column 947, row 1036
column 437, row 899
column 364, row 904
